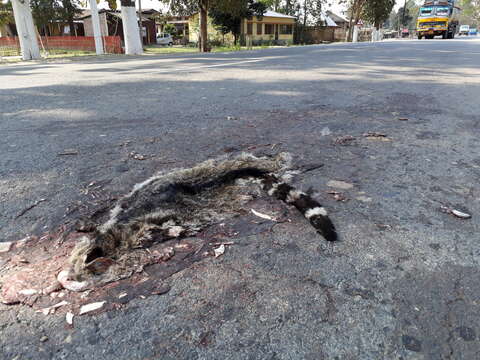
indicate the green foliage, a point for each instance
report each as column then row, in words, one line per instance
column 182, row 7
column 170, row 29
column 377, row 11
column 44, row 11
column 6, row 13
column 470, row 14
column 69, row 9
column 314, row 11
column 112, row 4
column 48, row 11
column 227, row 14
column 407, row 20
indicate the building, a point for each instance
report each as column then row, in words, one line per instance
column 181, row 24
column 272, row 27
column 340, row 21
column 111, row 24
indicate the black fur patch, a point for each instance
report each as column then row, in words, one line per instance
column 305, row 202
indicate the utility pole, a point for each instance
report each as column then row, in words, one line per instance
column 140, row 20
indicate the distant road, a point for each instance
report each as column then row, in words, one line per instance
column 402, row 283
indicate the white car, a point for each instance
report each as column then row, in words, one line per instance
column 464, row 30
column 164, row 39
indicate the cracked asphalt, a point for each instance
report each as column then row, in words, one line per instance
column 401, row 284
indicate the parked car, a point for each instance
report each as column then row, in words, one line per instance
column 464, row 30
column 473, row 31
column 164, row 39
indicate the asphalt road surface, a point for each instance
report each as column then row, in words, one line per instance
column 403, row 282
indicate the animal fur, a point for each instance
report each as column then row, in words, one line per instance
column 182, row 202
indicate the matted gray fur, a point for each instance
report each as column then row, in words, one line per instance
column 153, row 211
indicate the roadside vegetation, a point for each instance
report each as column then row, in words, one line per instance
column 156, row 49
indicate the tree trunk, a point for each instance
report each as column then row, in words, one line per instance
column 131, row 32
column 350, row 22
column 26, row 29
column 355, row 33
column 203, row 38
column 140, row 23
column 71, row 25
column 97, row 34
column 356, row 11
column 288, row 7
column 349, row 32
column 10, row 31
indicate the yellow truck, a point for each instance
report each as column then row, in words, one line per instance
column 437, row 18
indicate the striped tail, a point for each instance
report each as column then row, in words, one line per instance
column 309, row 207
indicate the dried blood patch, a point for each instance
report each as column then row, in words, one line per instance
column 29, row 271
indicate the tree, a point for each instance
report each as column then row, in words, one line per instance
column 227, row 16
column 170, row 29
column 6, row 13
column 407, row 18
column 26, row 29
column 355, row 8
column 470, row 14
column 6, row 17
column 308, row 13
column 48, row 11
column 203, row 19
column 377, row 11
column 44, row 12
column 69, row 10
column 315, row 10
column 182, row 7
column 189, row 7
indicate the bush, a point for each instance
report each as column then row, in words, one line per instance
column 170, row 29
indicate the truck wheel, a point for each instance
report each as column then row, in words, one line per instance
column 419, row 37
column 445, row 35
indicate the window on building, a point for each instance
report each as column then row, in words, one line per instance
column 286, row 29
column 249, row 28
column 269, row 29
column 259, row 28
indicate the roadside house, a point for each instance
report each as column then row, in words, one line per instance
column 111, row 24
column 181, row 24
column 272, row 27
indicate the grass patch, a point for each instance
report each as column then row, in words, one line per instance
column 238, row 48
column 59, row 53
column 12, row 56
column 156, row 49
column 9, row 51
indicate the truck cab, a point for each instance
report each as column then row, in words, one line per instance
column 437, row 17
